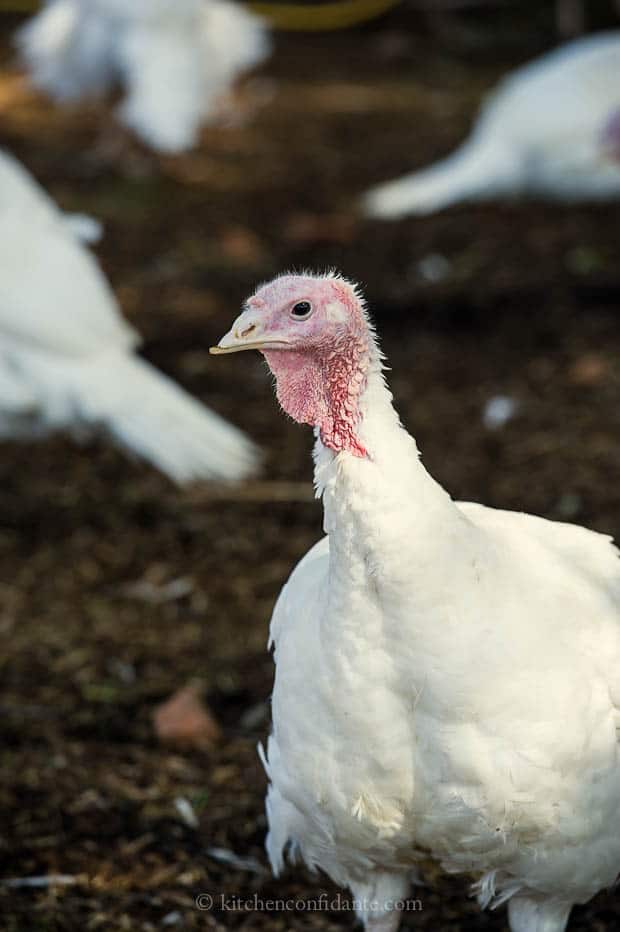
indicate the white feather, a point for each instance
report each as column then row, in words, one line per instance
column 541, row 133
column 175, row 61
column 66, row 354
column 447, row 680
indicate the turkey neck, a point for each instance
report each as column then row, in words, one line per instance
column 392, row 528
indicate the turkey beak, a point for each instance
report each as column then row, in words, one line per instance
column 243, row 335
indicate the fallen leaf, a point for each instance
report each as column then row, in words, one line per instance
column 184, row 720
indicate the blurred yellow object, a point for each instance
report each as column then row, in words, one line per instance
column 19, row 6
column 320, row 17
column 290, row 17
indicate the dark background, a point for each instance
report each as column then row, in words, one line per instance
column 528, row 308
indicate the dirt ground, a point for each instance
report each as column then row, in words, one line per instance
column 527, row 307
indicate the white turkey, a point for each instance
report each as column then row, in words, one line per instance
column 19, row 189
column 67, row 359
column 174, row 60
column 447, row 675
column 549, row 130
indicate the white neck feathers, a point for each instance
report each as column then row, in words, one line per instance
column 382, row 509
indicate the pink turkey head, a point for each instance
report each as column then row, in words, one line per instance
column 315, row 336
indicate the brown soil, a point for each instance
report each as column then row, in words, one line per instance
column 529, row 309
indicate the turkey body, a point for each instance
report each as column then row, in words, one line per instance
column 447, row 681
column 67, row 358
column 174, row 60
column 540, row 133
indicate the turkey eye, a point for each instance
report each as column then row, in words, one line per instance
column 301, row 309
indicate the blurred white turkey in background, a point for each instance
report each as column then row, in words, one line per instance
column 67, row 356
column 19, row 189
column 174, row 60
column 545, row 131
